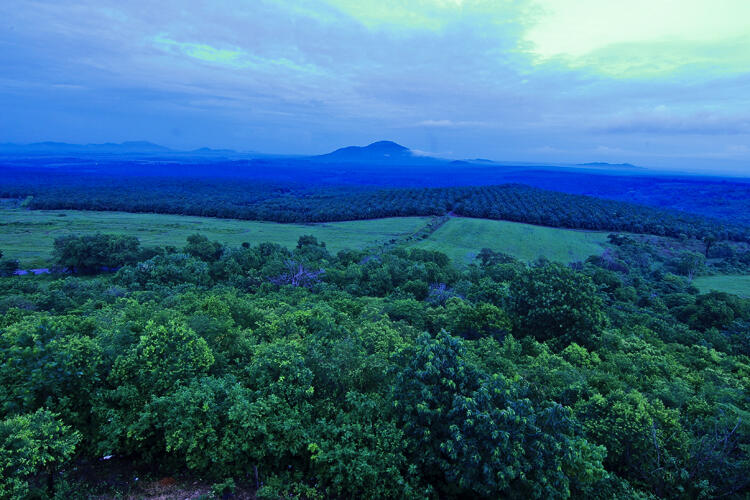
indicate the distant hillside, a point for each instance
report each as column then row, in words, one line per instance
column 108, row 148
column 377, row 153
column 128, row 150
column 602, row 164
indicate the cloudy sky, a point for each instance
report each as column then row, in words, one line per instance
column 655, row 82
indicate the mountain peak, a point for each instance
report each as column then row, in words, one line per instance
column 380, row 152
column 386, row 146
column 604, row 164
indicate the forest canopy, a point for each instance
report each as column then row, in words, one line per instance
column 389, row 374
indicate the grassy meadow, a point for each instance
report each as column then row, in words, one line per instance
column 732, row 283
column 462, row 238
column 28, row 235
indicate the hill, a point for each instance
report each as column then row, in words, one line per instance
column 63, row 148
column 377, row 153
column 602, row 164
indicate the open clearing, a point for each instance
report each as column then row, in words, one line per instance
column 28, row 235
column 462, row 238
column 737, row 284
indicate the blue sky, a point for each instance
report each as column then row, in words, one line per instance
column 664, row 83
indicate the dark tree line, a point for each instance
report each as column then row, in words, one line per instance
column 286, row 202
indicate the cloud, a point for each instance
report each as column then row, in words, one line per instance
column 419, row 152
column 231, row 57
column 480, row 78
column 738, row 150
column 424, row 15
column 234, row 57
column 450, row 123
column 642, row 38
column 662, row 121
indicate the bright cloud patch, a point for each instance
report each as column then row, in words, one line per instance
column 235, row 58
column 426, row 14
column 642, row 38
column 203, row 52
column 421, row 14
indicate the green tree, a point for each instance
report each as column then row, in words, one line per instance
column 709, row 239
column 31, row 444
column 165, row 270
column 202, row 248
column 89, row 254
column 361, row 453
column 309, row 240
column 645, row 442
column 689, row 263
column 473, row 321
column 473, row 435
column 52, row 362
column 8, row 267
column 555, row 302
column 164, row 357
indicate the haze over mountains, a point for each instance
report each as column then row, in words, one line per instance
column 137, row 148
column 382, row 164
column 377, row 153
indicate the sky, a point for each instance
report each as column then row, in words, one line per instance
column 663, row 83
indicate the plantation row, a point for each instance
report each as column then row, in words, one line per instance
column 277, row 202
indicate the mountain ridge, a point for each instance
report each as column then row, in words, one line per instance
column 379, row 152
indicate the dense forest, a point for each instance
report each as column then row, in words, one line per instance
column 389, row 374
column 241, row 198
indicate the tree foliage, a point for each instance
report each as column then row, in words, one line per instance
column 91, row 253
column 555, row 302
column 392, row 374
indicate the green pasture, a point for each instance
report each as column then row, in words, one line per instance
column 462, row 238
column 28, row 235
column 737, row 284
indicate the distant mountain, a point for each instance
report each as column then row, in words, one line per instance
column 381, row 153
column 56, row 148
column 213, row 152
column 601, row 164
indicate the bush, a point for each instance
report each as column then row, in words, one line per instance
column 8, row 267
column 89, row 254
column 32, row 444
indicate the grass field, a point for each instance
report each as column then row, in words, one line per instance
column 29, row 235
column 737, row 284
column 462, row 238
